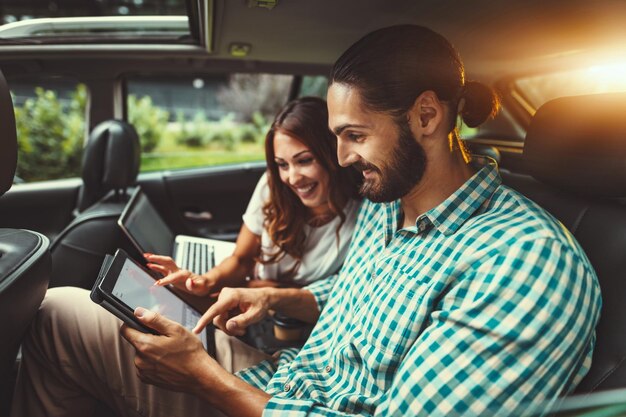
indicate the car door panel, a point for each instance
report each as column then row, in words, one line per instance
column 45, row 207
column 206, row 202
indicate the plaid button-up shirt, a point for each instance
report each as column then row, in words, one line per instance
column 485, row 304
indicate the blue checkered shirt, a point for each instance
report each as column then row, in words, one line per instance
column 485, row 304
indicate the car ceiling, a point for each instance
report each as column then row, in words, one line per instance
column 495, row 37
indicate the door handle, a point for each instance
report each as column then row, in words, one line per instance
column 198, row 216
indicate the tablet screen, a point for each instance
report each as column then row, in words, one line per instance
column 136, row 289
column 146, row 227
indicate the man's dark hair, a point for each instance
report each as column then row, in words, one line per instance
column 391, row 67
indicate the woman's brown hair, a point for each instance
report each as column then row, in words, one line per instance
column 304, row 119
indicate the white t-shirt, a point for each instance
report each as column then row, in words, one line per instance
column 322, row 255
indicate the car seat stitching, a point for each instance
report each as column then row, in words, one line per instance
column 608, row 374
column 579, row 219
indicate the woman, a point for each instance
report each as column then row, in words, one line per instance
column 299, row 221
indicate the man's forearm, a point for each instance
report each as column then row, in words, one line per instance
column 294, row 302
column 231, row 395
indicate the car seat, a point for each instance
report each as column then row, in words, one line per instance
column 575, row 150
column 24, row 261
column 110, row 166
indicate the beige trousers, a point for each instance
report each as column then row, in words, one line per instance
column 74, row 360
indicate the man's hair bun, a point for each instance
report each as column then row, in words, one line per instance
column 481, row 103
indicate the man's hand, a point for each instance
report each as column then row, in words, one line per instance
column 175, row 359
column 236, row 309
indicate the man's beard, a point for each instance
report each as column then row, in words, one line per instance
column 401, row 174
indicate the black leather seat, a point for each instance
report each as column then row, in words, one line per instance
column 110, row 162
column 576, row 151
column 110, row 166
column 484, row 150
column 24, row 261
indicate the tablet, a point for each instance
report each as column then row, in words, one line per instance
column 123, row 285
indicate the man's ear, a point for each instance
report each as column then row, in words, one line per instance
column 426, row 114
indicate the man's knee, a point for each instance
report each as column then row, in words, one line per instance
column 66, row 299
column 67, row 314
column 61, row 306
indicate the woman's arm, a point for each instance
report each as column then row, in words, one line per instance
column 232, row 271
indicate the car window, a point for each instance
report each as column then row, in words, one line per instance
column 51, row 130
column 206, row 120
column 314, row 85
column 538, row 89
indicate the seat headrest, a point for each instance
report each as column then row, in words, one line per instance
column 8, row 137
column 579, row 144
column 110, row 161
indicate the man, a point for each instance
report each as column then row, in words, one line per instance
column 456, row 297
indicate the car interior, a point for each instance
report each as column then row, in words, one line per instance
column 24, row 260
column 110, row 166
column 174, row 97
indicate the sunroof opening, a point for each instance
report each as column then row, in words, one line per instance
column 17, row 10
column 95, row 20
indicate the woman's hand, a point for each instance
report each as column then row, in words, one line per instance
column 236, row 309
column 181, row 278
column 164, row 265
